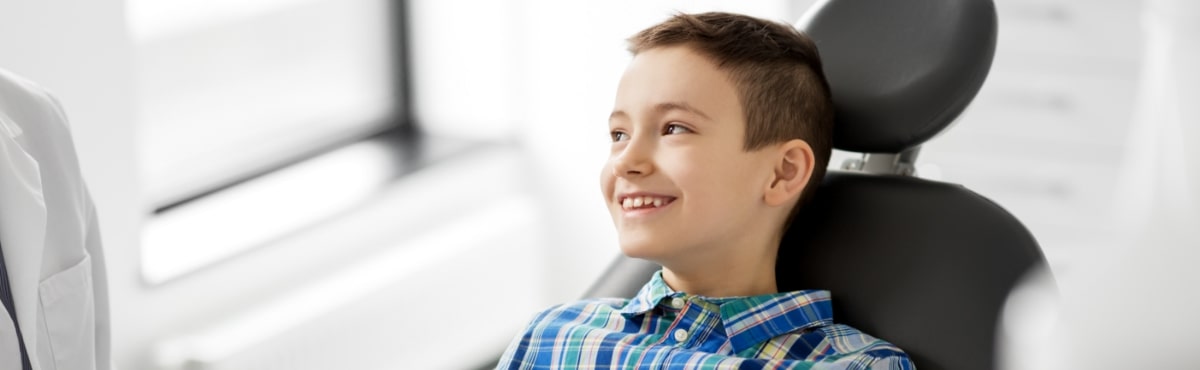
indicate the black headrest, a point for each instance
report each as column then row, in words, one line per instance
column 900, row 71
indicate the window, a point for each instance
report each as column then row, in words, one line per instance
column 238, row 93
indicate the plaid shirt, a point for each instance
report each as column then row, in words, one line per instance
column 663, row 329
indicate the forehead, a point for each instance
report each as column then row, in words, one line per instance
column 676, row 74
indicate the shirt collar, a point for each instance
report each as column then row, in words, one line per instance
column 648, row 297
column 750, row 320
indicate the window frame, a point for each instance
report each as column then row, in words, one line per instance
column 399, row 129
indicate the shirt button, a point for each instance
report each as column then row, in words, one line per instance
column 680, row 335
column 677, row 302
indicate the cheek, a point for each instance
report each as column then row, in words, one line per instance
column 606, row 180
column 725, row 182
column 702, row 179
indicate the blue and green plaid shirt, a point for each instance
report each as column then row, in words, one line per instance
column 663, row 329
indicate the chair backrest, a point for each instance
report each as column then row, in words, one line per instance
column 923, row 264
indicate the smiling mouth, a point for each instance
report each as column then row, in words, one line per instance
column 645, row 202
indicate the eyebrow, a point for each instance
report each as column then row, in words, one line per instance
column 665, row 107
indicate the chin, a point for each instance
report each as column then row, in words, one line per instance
column 636, row 250
column 643, row 249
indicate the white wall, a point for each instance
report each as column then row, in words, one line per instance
column 1156, row 261
column 1139, row 285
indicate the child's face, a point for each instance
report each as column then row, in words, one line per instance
column 678, row 183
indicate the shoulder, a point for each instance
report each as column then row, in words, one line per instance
column 572, row 319
column 23, row 101
column 857, row 350
column 578, row 312
column 546, row 331
column 33, row 117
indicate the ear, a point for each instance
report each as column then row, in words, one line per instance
column 793, row 167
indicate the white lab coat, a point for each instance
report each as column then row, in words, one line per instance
column 49, row 238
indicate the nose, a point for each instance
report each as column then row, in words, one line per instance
column 633, row 161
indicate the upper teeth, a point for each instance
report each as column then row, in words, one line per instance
column 635, row 202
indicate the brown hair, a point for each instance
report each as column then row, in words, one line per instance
column 776, row 70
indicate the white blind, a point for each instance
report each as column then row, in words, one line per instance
column 228, row 87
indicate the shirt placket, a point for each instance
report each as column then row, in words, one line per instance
column 693, row 323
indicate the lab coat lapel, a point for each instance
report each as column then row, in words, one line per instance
column 22, row 227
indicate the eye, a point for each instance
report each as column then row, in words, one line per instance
column 673, row 129
column 618, row 136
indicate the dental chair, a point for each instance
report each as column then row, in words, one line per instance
column 923, row 264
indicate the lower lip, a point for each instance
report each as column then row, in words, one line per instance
column 643, row 212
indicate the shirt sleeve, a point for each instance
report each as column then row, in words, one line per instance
column 893, row 361
column 516, row 353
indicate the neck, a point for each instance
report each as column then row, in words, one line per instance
column 744, row 272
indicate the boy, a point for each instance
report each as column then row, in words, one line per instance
column 722, row 127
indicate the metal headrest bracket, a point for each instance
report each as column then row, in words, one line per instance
column 902, row 164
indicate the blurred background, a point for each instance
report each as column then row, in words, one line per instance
column 314, row 184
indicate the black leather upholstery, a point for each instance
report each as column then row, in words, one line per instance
column 923, row 264
column 900, row 71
